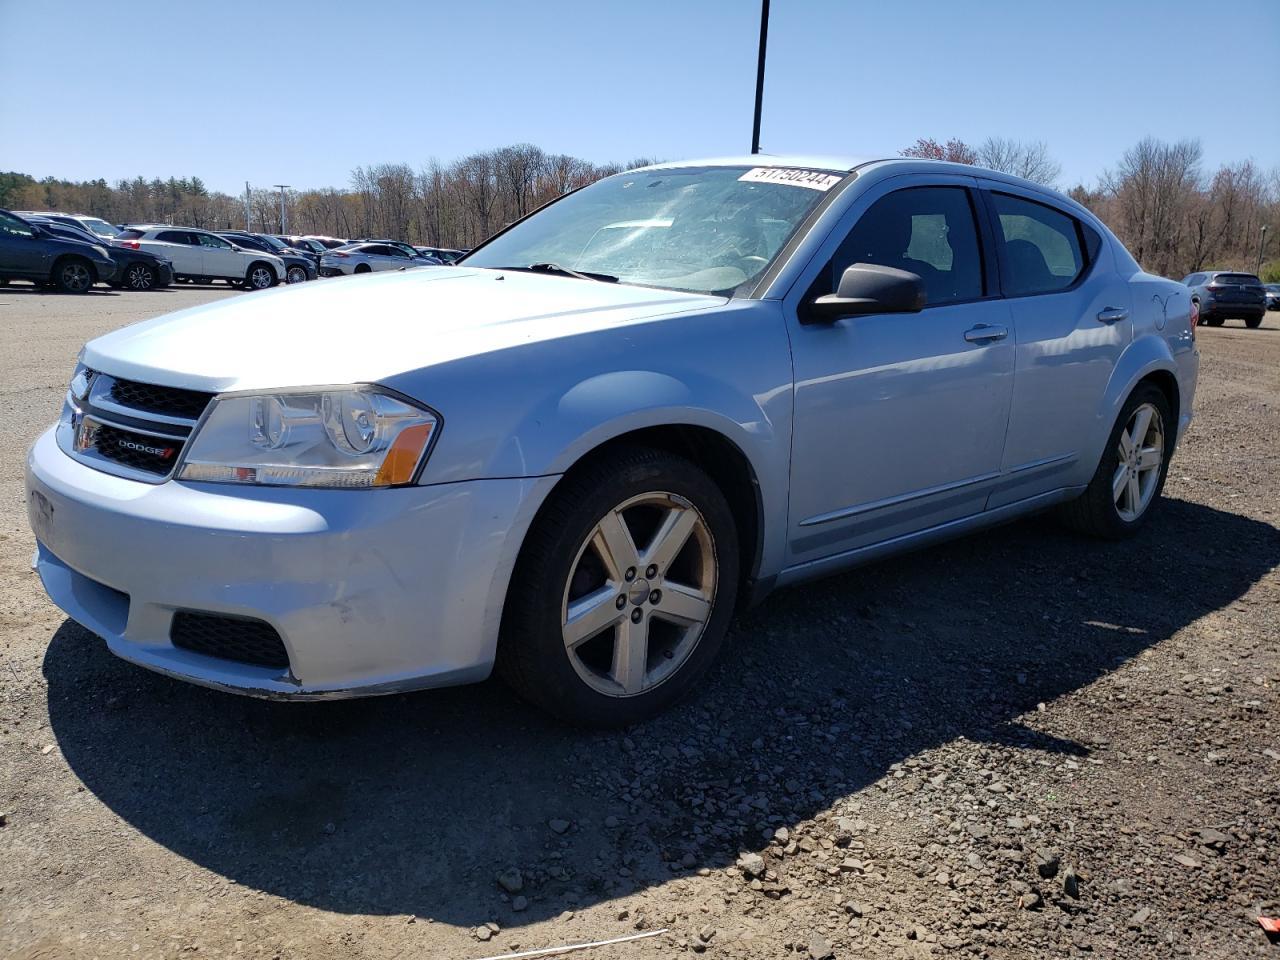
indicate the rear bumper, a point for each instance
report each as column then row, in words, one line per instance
column 1231, row 311
column 370, row 591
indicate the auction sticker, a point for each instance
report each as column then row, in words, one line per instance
column 813, row 179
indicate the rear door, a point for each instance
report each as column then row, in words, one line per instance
column 1071, row 320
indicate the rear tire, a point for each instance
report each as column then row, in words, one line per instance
column 1128, row 483
column 73, row 275
column 603, row 632
column 1253, row 323
column 1213, row 322
column 363, row 268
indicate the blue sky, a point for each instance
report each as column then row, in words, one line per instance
column 300, row 93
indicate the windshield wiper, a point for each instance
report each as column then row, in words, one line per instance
column 566, row 272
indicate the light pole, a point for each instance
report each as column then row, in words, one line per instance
column 764, row 40
column 1262, row 243
column 283, row 187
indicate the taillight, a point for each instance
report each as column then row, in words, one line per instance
column 1195, row 317
column 335, row 253
column 130, row 244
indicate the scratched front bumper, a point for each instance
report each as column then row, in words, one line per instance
column 371, row 591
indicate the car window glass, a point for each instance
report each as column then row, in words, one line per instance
column 929, row 231
column 13, row 227
column 209, row 240
column 1041, row 246
column 172, row 236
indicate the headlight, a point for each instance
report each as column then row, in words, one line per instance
column 343, row 437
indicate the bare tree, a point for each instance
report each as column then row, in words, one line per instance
column 954, row 150
column 1028, row 159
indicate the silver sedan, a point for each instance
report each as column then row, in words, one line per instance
column 367, row 258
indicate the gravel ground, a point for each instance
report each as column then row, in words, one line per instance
column 1021, row 744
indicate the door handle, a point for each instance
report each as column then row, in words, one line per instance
column 1112, row 314
column 984, row 332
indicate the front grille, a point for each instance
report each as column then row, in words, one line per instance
column 139, row 451
column 131, row 428
column 168, row 401
column 228, row 638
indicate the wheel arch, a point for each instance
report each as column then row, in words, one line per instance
column 722, row 459
column 71, row 255
column 1147, row 360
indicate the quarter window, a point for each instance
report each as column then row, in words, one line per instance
column 1041, row 249
column 929, row 231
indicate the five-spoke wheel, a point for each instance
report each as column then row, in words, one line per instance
column 623, row 591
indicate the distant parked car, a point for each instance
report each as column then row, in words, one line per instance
column 409, row 249
column 202, row 256
column 445, row 255
column 306, row 245
column 367, row 257
column 1223, row 295
column 30, row 252
column 328, row 242
column 95, row 225
column 1272, row 293
column 298, row 266
column 136, row 269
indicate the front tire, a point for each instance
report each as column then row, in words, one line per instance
column 296, row 275
column 1253, row 323
column 139, row 276
column 259, row 277
column 623, row 591
column 73, row 275
column 1130, row 477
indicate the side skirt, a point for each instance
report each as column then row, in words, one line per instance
column 922, row 538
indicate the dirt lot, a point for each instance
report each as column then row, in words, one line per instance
column 1022, row 744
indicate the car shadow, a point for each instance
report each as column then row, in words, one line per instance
column 33, row 290
column 412, row 804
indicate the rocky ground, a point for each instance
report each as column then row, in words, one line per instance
column 1021, row 744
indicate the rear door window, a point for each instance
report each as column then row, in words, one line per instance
column 174, row 236
column 1040, row 247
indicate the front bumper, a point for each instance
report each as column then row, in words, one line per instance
column 373, row 591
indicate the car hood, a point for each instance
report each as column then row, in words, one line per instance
column 369, row 328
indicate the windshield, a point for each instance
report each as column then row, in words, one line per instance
column 272, row 243
column 100, row 227
column 697, row 229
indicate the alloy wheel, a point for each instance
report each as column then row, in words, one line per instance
column 1140, row 455
column 76, row 277
column 639, row 594
column 296, row 275
column 140, row 277
column 260, row 278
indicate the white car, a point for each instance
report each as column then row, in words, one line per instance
column 370, row 256
column 199, row 255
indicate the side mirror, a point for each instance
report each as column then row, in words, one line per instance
column 869, row 288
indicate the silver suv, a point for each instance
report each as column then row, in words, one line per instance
column 578, row 452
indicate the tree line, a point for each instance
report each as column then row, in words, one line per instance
column 1175, row 216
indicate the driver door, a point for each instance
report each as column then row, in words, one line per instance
column 220, row 259
column 900, row 419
